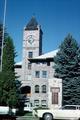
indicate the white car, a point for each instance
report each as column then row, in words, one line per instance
column 71, row 112
column 5, row 110
column 28, row 107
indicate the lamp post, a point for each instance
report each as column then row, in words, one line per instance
column 5, row 2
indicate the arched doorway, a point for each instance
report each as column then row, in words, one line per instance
column 25, row 90
column 25, row 93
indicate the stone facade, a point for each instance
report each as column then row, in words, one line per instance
column 54, row 89
column 36, row 69
column 32, row 47
column 42, row 80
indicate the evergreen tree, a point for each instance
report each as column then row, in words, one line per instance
column 8, row 95
column 67, row 67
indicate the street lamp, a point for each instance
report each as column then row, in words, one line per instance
column 5, row 2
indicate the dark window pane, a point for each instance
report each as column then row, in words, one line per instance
column 37, row 74
column 30, row 54
column 36, row 88
column 29, row 66
column 44, row 89
column 44, row 74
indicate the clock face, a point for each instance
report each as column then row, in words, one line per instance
column 30, row 39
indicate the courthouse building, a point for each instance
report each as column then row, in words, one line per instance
column 36, row 71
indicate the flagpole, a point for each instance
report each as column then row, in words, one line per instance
column 5, row 2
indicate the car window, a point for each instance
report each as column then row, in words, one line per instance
column 69, row 107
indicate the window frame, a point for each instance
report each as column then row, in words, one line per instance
column 29, row 66
column 44, row 74
column 37, row 88
column 42, row 103
column 36, row 102
column 30, row 54
column 43, row 88
column 37, row 74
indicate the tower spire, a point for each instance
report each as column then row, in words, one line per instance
column 32, row 25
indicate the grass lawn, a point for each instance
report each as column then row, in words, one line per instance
column 30, row 117
column 27, row 116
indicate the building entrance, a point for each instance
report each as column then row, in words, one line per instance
column 26, row 90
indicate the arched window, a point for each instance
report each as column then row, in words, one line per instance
column 43, row 88
column 36, row 88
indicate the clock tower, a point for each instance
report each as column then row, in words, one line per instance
column 32, row 47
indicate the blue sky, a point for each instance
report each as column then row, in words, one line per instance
column 56, row 17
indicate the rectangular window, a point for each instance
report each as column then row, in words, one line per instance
column 54, row 98
column 44, row 74
column 48, row 63
column 43, row 103
column 29, row 66
column 36, row 102
column 36, row 88
column 30, row 54
column 37, row 74
column 43, row 88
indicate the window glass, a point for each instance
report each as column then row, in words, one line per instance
column 43, row 103
column 37, row 74
column 30, row 54
column 36, row 88
column 44, row 89
column 44, row 74
column 36, row 102
column 29, row 66
column 70, row 107
column 48, row 63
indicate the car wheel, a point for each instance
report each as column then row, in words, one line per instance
column 47, row 116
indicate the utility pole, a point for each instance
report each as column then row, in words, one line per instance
column 5, row 2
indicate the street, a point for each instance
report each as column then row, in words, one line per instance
column 26, row 118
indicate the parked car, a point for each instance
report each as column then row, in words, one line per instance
column 66, row 112
column 28, row 107
column 5, row 110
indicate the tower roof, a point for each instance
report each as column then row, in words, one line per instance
column 32, row 25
